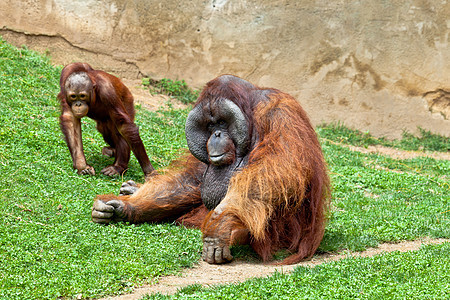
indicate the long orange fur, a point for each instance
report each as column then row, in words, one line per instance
column 278, row 200
column 282, row 194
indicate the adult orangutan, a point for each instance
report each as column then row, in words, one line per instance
column 256, row 175
column 104, row 98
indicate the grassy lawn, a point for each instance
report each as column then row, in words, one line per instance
column 49, row 248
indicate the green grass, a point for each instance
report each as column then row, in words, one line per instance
column 377, row 199
column 49, row 248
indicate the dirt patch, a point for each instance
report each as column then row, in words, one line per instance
column 396, row 153
column 239, row 271
column 148, row 101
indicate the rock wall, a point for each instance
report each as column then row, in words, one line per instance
column 377, row 66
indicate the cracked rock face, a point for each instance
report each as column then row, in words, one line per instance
column 377, row 67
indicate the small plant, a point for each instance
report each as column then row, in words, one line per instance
column 173, row 88
column 427, row 141
column 337, row 132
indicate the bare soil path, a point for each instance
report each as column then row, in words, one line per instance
column 398, row 153
column 239, row 271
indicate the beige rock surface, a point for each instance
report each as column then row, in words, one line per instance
column 378, row 66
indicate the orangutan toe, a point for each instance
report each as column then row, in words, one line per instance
column 215, row 252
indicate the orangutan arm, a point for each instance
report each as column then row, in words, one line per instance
column 162, row 198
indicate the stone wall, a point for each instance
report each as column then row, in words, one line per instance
column 378, row 66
